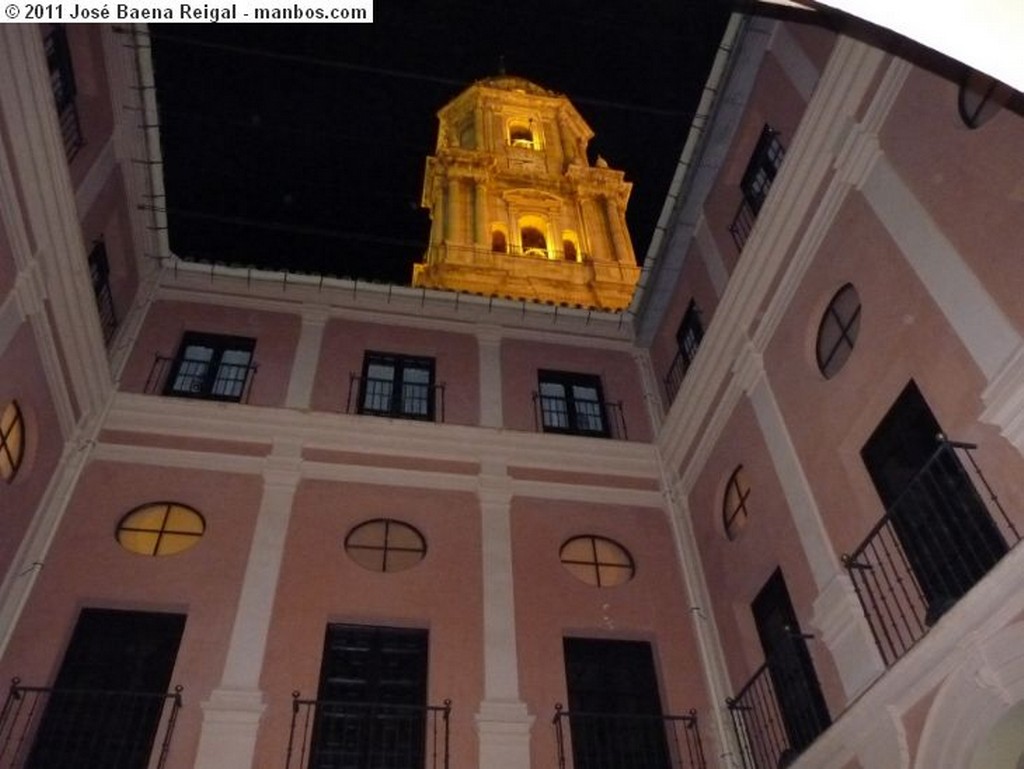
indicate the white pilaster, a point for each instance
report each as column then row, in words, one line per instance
column 488, row 340
column 307, row 354
column 720, row 743
column 503, row 723
column 649, row 383
column 231, row 715
column 837, row 611
column 711, row 256
column 822, row 559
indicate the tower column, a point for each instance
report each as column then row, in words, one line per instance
column 620, row 251
column 480, row 213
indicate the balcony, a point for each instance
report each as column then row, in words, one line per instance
column 636, row 741
column 774, row 717
column 937, row 539
column 355, row 735
column 600, row 419
column 226, row 380
column 62, row 82
column 383, row 397
column 42, row 728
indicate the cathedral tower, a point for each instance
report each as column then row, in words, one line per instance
column 517, row 210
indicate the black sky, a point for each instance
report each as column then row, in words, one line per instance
column 302, row 147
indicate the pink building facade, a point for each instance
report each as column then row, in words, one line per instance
column 768, row 516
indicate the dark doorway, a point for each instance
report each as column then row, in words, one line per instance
column 106, row 705
column 614, row 709
column 789, row 664
column 373, row 696
column 949, row 539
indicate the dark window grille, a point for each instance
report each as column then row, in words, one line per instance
column 62, row 82
column 937, row 539
column 598, row 561
column 400, row 386
column 638, row 741
column 328, row 734
column 838, row 330
column 572, row 403
column 688, row 339
column 99, row 272
column 208, row 366
column 385, row 544
column 757, row 180
column 125, row 730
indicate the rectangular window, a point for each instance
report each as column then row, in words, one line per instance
column 763, row 167
column 99, row 271
column 688, row 339
column 110, row 696
column 571, row 403
column 372, row 704
column 62, row 83
column 212, row 367
column 397, row 386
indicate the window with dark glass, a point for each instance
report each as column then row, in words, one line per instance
column 397, row 386
column 212, row 367
column 837, row 332
column 572, row 403
column 62, row 83
column 763, row 167
column 99, row 271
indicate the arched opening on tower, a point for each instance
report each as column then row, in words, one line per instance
column 534, row 241
column 499, row 241
column 520, row 134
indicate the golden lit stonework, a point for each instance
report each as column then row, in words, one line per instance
column 517, row 210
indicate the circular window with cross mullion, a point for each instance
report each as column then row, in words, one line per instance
column 734, row 504
column 160, row 528
column 385, row 545
column 597, row 561
column 837, row 332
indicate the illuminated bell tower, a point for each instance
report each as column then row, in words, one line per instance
column 517, row 210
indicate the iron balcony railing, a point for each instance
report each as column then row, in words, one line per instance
column 231, row 382
column 633, row 741
column 774, row 719
column 354, row 735
column 676, row 374
column 742, row 224
column 937, row 539
column 558, row 415
column 45, row 728
column 403, row 400
column 62, row 82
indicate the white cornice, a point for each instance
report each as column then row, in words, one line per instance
column 410, row 439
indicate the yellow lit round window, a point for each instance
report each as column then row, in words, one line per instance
column 160, row 528
column 385, row 544
column 12, row 441
column 597, row 561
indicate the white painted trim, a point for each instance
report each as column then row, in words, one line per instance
column 1004, row 400
column 95, row 179
column 488, row 340
column 711, row 256
column 11, row 318
column 987, row 334
column 797, row 66
column 307, row 358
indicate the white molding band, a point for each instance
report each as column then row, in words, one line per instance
column 307, row 356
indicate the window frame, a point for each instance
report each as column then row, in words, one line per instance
column 690, row 333
column 396, row 400
column 629, row 566
column 220, row 344
column 732, row 522
column 762, row 168
column 845, row 343
column 385, row 547
column 13, row 450
column 568, row 380
column 162, row 530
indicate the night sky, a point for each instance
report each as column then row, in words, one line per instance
column 303, row 147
